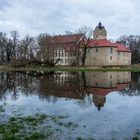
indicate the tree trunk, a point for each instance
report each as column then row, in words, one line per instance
column 84, row 55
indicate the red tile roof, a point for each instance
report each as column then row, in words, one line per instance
column 107, row 43
column 121, row 86
column 66, row 38
column 101, row 42
column 67, row 42
column 102, row 91
column 105, row 91
column 121, row 47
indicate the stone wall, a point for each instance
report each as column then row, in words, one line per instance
column 124, row 58
column 107, row 79
column 107, row 56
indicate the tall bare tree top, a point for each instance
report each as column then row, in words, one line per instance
column 86, row 31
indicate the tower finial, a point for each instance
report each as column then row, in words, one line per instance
column 100, row 25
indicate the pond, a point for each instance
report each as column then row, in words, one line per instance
column 70, row 105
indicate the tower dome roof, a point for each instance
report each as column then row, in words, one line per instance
column 100, row 32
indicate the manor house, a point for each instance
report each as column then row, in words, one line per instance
column 100, row 51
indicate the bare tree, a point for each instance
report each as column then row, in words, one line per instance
column 69, row 32
column 133, row 42
column 25, row 48
column 6, row 49
column 9, row 51
column 3, row 42
column 15, row 39
column 46, row 50
column 84, row 42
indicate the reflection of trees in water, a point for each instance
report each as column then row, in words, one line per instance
column 85, row 93
column 90, row 97
column 133, row 88
column 86, row 102
column 12, row 83
column 51, row 87
column 49, row 98
column 54, row 87
column 44, row 86
column 7, row 84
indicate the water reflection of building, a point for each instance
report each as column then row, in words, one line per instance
column 84, row 88
column 102, row 83
column 107, row 79
column 61, row 85
column 78, row 85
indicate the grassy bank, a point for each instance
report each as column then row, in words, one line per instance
column 37, row 126
column 64, row 68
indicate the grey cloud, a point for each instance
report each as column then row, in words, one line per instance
column 57, row 16
column 3, row 4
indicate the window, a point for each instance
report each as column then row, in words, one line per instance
column 62, row 53
column 58, row 52
column 118, row 53
column 111, row 50
column 96, row 84
column 65, row 54
column 94, row 58
column 110, row 57
column 96, row 49
column 55, row 53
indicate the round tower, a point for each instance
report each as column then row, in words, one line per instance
column 100, row 32
column 99, row 101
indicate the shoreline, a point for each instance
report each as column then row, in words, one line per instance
column 132, row 68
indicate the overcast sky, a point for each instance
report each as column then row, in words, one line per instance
column 57, row 16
